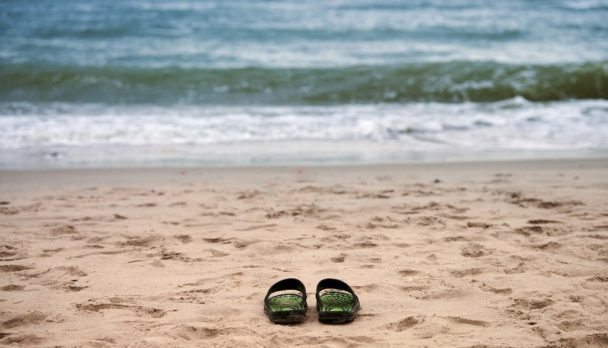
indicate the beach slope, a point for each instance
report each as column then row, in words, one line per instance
column 443, row 255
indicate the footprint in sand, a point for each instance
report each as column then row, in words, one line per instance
column 455, row 239
column 16, row 210
column 550, row 246
column 10, row 253
column 72, row 270
column 598, row 236
column 410, row 288
column 366, row 288
column 474, row 250
column 102, row 342
column 146, row 205
column 325, row 227
column 119, row 217
column 241, row 244
column 231, row 278
column 249, row 194
column 591, row 341
column 573, row 324
column 465, row 272
column 408, row 272
column 217, row 253
column 442, row 292
column 465, row 321
column 216, row 240
column 591, row 304
column 596, row 283
column 173, row 255
column 303, row 210
column 529, row 230
column 430, row 329
column 140, row 311
column 24, row 340
column 196, row 333
column 501, row 291
column 184, row 238
column 338, row 259
column 33, row 318
column 267, row 227
column 287, row 340
column 63, row 230
column 376, row 195
column 178, row 204
column 173, row 223
column 141, row 241
column 516, row 264
column 543, row 222
column 14, row 268
column 526, row 202
column 8, row 211
column 373, row 226
column 430, row 221
column 404, row 324
column 381, row 222
column 363, row 245
column 531, row 304
column 483, row 225
column 49, row 252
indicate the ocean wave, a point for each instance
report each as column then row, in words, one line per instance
column 457, row 81
column 510, row 124
column 36, row 135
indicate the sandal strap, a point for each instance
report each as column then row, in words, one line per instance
column 287, row 284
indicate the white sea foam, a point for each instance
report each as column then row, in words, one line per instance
column 64, row 134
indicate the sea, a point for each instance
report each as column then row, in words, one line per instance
column 96, row 83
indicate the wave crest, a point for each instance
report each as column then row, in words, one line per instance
column 440, row 82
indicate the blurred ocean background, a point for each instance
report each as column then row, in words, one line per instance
column 146, row 82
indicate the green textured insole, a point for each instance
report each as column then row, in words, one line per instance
column 336, row 302
column 286, row 302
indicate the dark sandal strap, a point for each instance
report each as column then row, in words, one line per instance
column 287, row 284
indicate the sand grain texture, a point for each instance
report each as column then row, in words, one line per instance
column 511, row 254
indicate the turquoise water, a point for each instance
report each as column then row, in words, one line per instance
column 236, row 82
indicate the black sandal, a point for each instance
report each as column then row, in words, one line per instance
column 288, row 307
column 336, row 302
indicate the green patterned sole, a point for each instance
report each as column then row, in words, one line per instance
column 336, row 302
column 286, row 302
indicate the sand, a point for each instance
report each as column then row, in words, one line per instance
column 444, row 255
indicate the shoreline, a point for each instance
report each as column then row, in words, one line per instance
column 557, row 161
column 268, row 155
column 118, row 175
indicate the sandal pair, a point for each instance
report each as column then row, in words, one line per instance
column 285, row 302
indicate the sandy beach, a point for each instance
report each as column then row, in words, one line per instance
column 494, row 254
